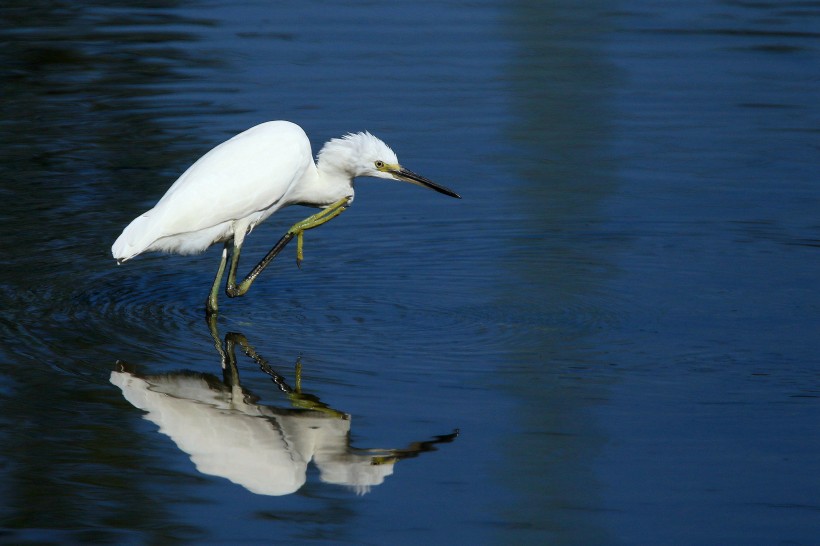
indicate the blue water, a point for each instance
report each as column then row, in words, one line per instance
column 620, row 317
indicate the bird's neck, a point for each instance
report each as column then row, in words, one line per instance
column 336, row 167
column 334, row 173
column 326, row 186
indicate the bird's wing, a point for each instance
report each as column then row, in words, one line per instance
column 247, row 174
column 221, row 440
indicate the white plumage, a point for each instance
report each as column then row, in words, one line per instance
column 262, row 448
column 244, row 180
column 239, row 183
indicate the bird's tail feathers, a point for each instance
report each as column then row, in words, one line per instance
column 134, row 239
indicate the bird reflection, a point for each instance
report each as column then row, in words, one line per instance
column 263, row 448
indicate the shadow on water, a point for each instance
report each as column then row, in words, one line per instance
column 556, row 263
column 81, row 82
column 266, row 449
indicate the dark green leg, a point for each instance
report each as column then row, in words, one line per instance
column 297, row 398
column 230, row 372
column 211, row 320
column 233, row 290
column 211, row 306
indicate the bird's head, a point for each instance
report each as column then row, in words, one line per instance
column 362, row 154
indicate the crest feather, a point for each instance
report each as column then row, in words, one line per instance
column 355, row 153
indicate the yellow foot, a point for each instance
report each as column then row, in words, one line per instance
column 325, row 215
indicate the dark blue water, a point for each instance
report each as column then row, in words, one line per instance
column 620, row 318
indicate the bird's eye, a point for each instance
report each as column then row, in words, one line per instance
column 380, row 165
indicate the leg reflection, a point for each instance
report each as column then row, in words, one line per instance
column 228, row 432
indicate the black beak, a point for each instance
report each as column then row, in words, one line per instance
column 413, row 178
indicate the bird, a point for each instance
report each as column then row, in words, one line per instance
column 243, row 181
column 226, row 431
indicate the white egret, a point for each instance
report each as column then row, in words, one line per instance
column 227, row 432
column 241, row 182
column 265, row 449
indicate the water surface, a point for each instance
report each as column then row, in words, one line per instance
column 620, row 317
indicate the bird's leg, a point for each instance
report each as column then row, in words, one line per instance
column 296, row 230
column 232, row 289
column 211, row 307
column 297, row 398
column 325, row 215
column 230, row 372
column 264, row 365
column 211, row 321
